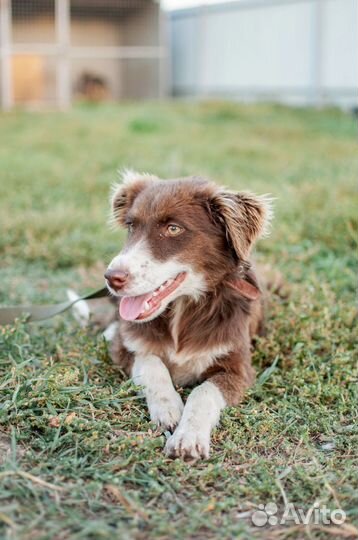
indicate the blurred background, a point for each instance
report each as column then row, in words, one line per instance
column 298, row 52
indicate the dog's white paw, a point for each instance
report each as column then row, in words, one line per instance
column 166, row 411
column 188, row 444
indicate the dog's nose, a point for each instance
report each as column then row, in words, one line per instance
column 116, row 278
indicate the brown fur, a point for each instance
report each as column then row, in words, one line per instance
column 224, row 225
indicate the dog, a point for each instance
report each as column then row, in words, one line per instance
column 190, row 301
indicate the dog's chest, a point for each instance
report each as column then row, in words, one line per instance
column 185, row 366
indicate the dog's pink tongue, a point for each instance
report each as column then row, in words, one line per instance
column 131, row 306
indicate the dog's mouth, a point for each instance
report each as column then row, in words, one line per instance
column 138, row 308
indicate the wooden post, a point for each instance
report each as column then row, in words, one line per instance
column 5, row 55
column 63, row 29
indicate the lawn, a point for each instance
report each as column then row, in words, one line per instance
column 79, row 457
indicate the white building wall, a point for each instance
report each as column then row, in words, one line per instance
column 340, row 44
column 295, row 51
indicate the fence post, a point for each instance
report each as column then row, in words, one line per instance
column 5, row 55
column 317, row 55
column 63, row 29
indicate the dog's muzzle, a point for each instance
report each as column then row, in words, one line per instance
column 116, row 279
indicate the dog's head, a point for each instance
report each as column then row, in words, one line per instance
column 184, row 237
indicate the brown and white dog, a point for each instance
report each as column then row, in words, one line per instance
column 189, row 300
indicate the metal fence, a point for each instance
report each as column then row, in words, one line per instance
column 55, row 51
column 291, row 51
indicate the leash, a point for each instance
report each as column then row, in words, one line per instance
column 36, row 313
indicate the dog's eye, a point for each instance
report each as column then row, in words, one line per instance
column 173, row 230
column 130, row 226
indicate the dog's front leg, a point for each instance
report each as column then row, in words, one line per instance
column 164, row 403
column 191, row 439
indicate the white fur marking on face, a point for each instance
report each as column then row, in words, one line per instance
column 164, row 403
column 147, row 274
column 191, row 439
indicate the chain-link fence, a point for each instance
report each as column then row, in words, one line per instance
column 53, row 52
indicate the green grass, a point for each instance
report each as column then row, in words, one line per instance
column 80, row 459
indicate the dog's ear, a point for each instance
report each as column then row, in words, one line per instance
column 124, row 193
column 244, row 216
